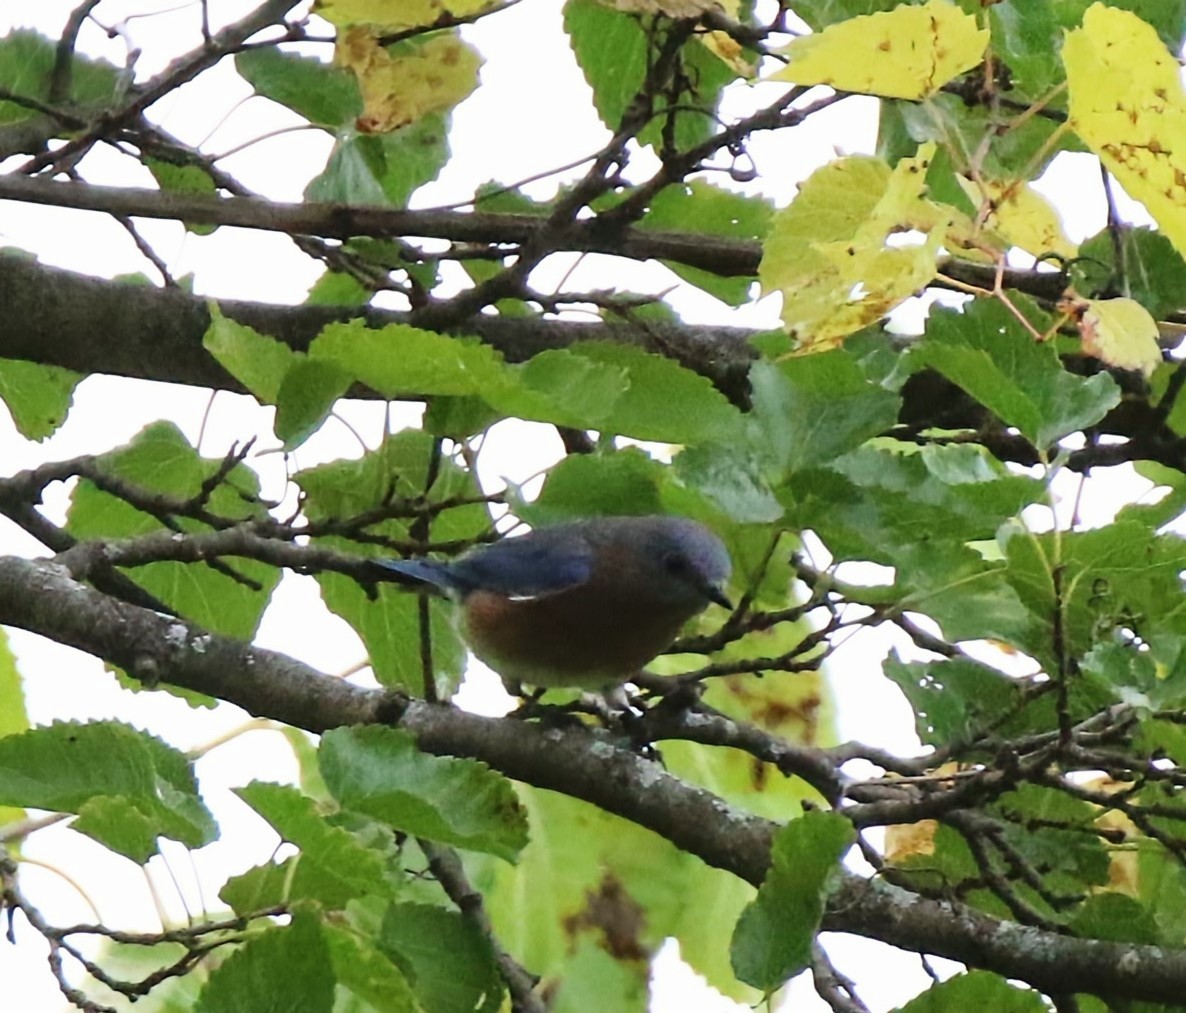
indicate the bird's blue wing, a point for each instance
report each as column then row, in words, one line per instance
column 540, row 563
column 525, row 567
column 430, row 571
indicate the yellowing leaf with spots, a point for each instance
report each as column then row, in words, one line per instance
column 1020, row 215
column 839, row 254
column 909, row 52
column 418, row 80
column 1127, row 104
column 1121, row 333
column 397, row 13
column 910, row 840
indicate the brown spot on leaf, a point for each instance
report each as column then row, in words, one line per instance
column 615, row 917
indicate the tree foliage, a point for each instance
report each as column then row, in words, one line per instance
column 977, row 485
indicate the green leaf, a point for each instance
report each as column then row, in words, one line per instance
column 1150, row 676
column 813, row 408
column 26, row 68
column 612, row 483
column 160, row 460
column 664, row 401
column 459, row 417
column 821, row 13
column 986, row 352
column 1149, row 269
column 586, row 866
column 773, row 938
column 258, row 362
column 380, row 772
column 1115, row 917
column 388, row 622
column 398, row 360
column 1056, row 834
column 283, row 968
column 177, row 177
column 325, row 95
column 934, row 857
column 307, row 395
column 696, row 206
column 970, row 598
column 559, row 385
column 303, row 389
column 793, row 710
column 975, row 990
column 731, row 480
column 1114, row 578
column 953, row 493
column 595, row 980
column 363, row 970
column 1162, row 889
column 14, row 716
column 1024, row 150
column 953, row 699
column 335, row 288
column 445, row 957
column 383, row 169
column 38, row 397
column 127, row 787
column 611, row 48
column 1024, row 35
column 333, row 866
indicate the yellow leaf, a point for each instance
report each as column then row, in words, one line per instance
column 1127, row 104
column 909, row 52
column 730, row 52
column 1021, row 216
column 1121, row 333
column 1124, row 869
column 398, row 90
column 910, row 840
column 830, row 252
column 396, row 13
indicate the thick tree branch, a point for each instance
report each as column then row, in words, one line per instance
column 41, row 596
column 60, row 318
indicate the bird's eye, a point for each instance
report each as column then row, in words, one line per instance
column 675, row 564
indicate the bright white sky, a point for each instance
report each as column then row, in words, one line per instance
column 495, row 137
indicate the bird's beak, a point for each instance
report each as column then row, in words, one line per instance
column 715, row 594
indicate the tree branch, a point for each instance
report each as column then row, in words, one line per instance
column 40, row 596
column 61, row 318
column 721, row 256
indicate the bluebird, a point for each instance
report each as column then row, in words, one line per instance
column 584, row 604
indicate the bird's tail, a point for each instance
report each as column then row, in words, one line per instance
column 427, row 571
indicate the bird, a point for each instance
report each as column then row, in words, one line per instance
column 582, row 605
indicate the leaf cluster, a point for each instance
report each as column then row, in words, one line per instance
column 955, row 476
